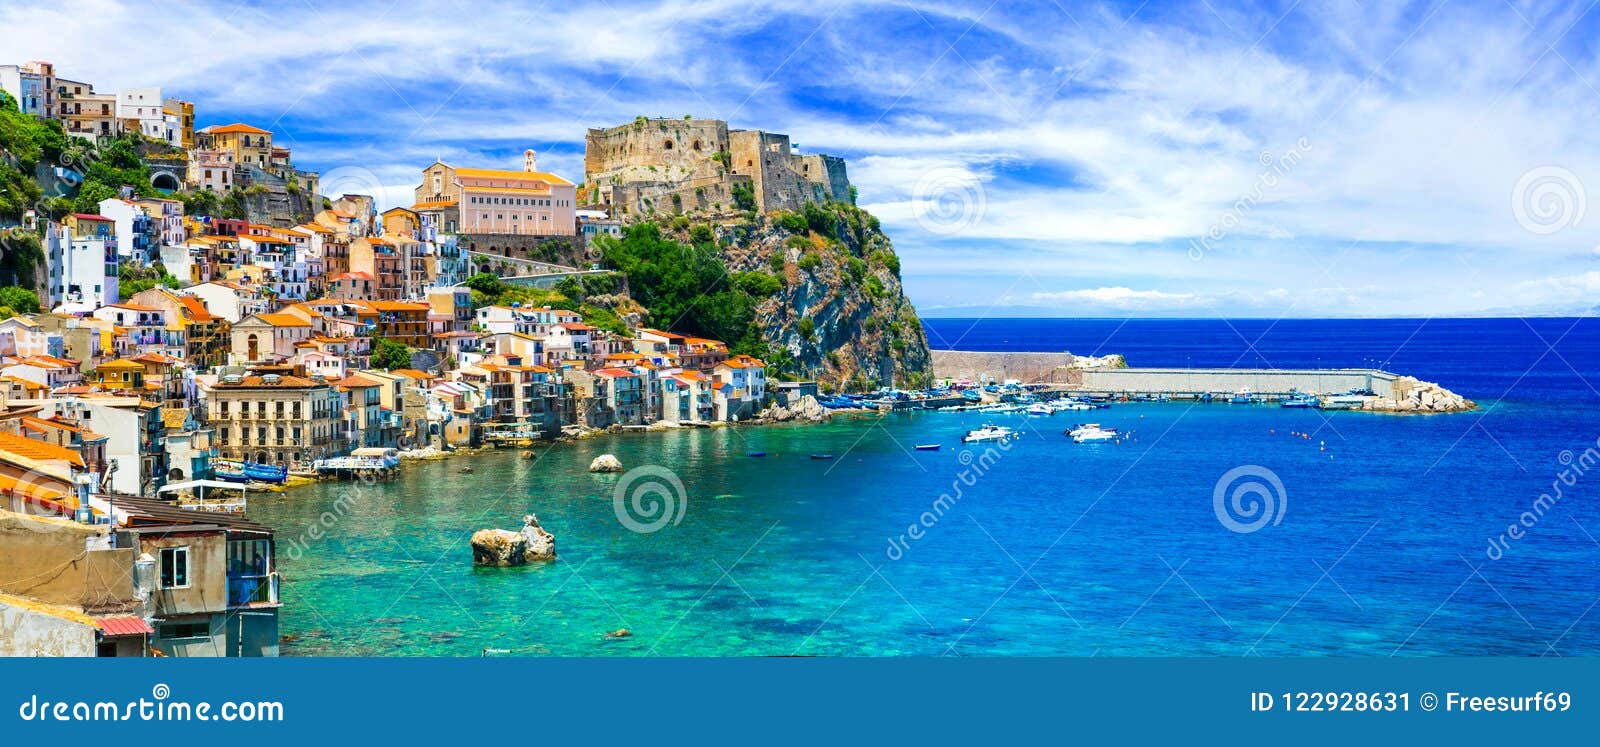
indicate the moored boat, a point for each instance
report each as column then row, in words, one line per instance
column 927, row 447
column 988, row 433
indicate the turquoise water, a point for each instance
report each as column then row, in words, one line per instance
column 788, row 555
column 1378, row 544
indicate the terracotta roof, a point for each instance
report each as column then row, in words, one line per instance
column 92, row 216
column 283, row 320
column 518, row 176
column 119, row 363
column 196, row 309
column 615, row 373
column 38, row 451
column 236, row 127
column 355, row 382
column 123, row 625
column 433, row 205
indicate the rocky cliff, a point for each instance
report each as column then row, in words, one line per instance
column 840, row 314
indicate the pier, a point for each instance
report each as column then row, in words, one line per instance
column 1266, row 383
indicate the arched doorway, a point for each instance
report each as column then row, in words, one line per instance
column 254, row 347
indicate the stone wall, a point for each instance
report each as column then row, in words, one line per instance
column 673, row 166
column 1029, row 368
column 559, row 250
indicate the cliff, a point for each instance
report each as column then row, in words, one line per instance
column 837, row 313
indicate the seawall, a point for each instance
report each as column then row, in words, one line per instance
column 1029, row 368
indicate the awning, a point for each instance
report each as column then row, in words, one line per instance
column 177, row 486
column 122, row 626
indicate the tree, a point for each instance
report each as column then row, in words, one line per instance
column 388, row 354
column 486, row 283
column 19, row 300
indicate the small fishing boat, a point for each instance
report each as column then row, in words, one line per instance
column 755, row 454
column 988, row 433
column 1299, row 401
column 927, row 447
column 1242, row 397
column 821, row 456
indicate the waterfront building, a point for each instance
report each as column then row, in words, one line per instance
column 744, row 391
column 498, row 201
column 276, row 419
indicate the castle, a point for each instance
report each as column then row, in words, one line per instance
column 674, row 166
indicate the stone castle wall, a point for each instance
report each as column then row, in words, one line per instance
column 671, row 166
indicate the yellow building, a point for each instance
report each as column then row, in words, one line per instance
column 119, row 375
column 249, row 145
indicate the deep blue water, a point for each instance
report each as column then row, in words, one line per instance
column 1380, row 546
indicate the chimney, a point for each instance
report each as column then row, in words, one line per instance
column 528, row 160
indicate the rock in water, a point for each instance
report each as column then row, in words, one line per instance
column 498, row 547
column 605, row 463
column 541, row 545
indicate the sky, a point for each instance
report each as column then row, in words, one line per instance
column 1278, row 159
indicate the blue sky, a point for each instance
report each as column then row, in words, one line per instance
column 1296, row 159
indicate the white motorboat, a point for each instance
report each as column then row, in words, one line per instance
column 1093, row 433
column 1040, row 408
column 988, row 433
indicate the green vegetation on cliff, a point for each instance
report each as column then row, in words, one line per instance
column 815, row 292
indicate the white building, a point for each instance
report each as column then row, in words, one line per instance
column 135, row 232
column 143, row 106
column 83, row 263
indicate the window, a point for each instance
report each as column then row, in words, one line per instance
column 174, row 567
column 176, row 631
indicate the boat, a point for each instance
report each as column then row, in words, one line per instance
column 1299, row 401
column 1344, row 402
column 821, row 456
column 988, row 433
column 250, row 472
column 755, row 454
column 1242, row 397
column 226, row 475
column 927, row 447
column 1072, row 404
column 1096, row 435
column 1091, row 433
column 1040, row 408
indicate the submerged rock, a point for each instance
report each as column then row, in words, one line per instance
column 605, row 463
column 501, row 547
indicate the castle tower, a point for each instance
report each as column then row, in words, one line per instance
column 528, row 160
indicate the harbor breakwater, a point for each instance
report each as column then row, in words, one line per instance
column 1384, row 390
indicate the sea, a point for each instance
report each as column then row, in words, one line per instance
column 1211, row 530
